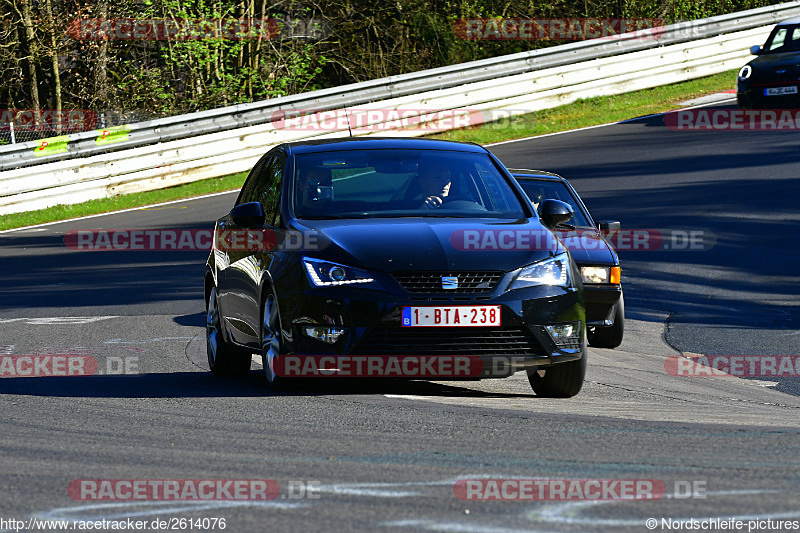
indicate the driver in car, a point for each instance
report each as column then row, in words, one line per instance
column 315, row 188
column 435, row 180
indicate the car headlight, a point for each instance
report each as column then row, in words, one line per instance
column 551, row 271
column 599, row 274
column 745, row 72
column 327, row 274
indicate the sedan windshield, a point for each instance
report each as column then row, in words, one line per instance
column 401, row 183
column 540, row 190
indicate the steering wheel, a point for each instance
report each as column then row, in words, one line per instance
column 461, row 203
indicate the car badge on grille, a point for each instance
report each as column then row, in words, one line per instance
column 449, row 282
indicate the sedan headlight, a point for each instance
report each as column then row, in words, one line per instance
column 600, row 274
column 551, row 271
column 327, row 274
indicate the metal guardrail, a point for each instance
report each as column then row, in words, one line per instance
column 244, row 115
column 163, row 164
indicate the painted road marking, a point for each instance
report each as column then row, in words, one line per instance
column 46, row 321
column 433, row 525
column 147, row 341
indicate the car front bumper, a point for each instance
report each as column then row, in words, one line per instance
column 600, row 302
column 369, row 323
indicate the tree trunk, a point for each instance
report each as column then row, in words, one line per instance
column 30, row 44
column 54, row 62
column 101, row 66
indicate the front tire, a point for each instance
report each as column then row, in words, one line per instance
column 271, row 342
column 563, row 380
column 224, row 359
column 611, row 336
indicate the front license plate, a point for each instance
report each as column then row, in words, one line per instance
column 452, row 316
column 777, row 91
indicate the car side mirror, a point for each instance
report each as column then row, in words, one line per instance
column 609, row 225
column 249, row 215
column 555, row 212
column 755, row 50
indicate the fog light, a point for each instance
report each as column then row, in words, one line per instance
column 565, row 335
column 323, row 333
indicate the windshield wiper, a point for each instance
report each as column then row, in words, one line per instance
column 335, row 216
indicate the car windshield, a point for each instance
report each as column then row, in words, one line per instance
column 783, row 39
column 540, row 190
column 401, row 183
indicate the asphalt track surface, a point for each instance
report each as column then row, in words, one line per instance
column 385, row 457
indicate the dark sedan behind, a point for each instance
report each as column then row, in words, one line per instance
column 595, row 256
column 771, row 80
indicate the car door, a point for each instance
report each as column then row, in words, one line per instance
column 222, row 250
column 250, row 251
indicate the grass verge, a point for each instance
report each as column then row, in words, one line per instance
column 594, row 111
column 589, row 112
column 125, row 201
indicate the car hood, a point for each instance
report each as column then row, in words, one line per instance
column 769, row 62
column 587, row 247
column 392, row 245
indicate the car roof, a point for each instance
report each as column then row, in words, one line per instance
column 542, row 175
column 794, row 20
column 378, row 143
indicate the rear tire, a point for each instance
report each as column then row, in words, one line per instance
column 563, row 380
column 611, row 336
column 224, row 359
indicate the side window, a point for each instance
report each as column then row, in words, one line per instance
column 246, row 194
column 796, row 39
column 777, row 40
column 268, row 188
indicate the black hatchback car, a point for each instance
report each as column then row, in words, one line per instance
column 595, row 256
column 771, row 80
column 341, row 250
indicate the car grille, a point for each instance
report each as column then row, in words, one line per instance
column 786, row 73
column 431, row 282
column 506, row 342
